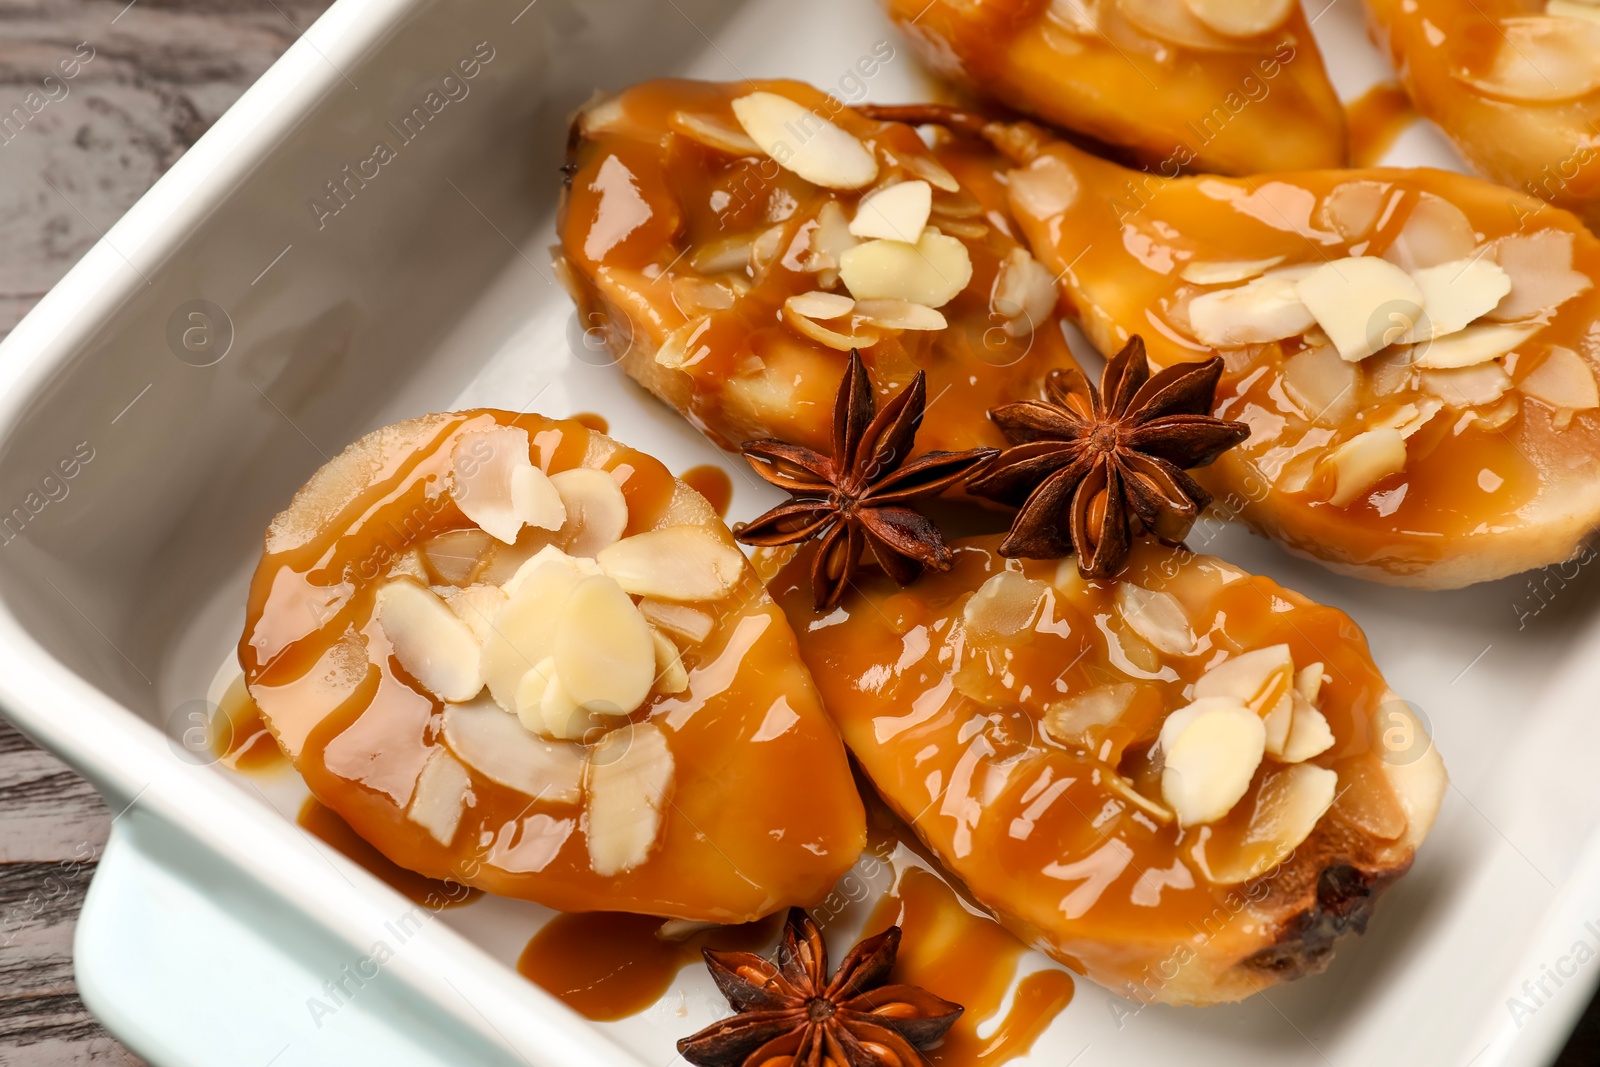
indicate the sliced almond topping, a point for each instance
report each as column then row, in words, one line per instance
column 495, row 745
column 897, row 212
column 933, row 172
column 441, row 796
column 1476, row 386
column 1074, row 720
column 1278, row 722
column 1210, row 755
column 1474, row 345
column 1363, row 303
column 524, row 632
column 1257, row 678
column 603, row 652
column 1366, row 800
column 820, row 306
column 409, row 564
column 685, row 624
column 477, row 606
column 697, row 296
column 1435, row 232
column 830, row 239
column 1003, row 605
column 1267, row 309
column 713, row 133
column 1323, row 384
column 1309, row 735
column 1353, row 208
column 1174, row 21
column 1024, row 292
column 1364, row 461
column 431, row 643
column 1408, row 418
column 1540, row 59
column 1565, row 381
column 841, row 342
column 674, row 563
column 1308, row 681
column 899, row 315
column 1201, row 272
column 671, row 678
column 597, row 512
column 1288, row 806
column 539, row 681
column 630, row 773
column 577, row 566
column 802, row 141
column 1456, row 293
column 722, row 255
column 457, row 557
column 1542, row 278
column 1242, row 18
column 1575, row 9
column 1157, row 617
column 495, row 484
column 931, row 272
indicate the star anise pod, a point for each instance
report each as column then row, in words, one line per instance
column 1090, row 468
column 855, row 500
column 789, row 1012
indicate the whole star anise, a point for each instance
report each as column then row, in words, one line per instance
column 855, row 500
column 1092, row 467
column 789, row 1012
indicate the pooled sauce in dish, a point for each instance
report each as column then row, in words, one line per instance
column 711, row 482
column 325, row 825
column 609, row 965
column 970, row 959
column 1374, row 120
column 239, row 736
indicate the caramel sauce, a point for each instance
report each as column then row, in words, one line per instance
column 1375, row 120
column 972, row 960
column 244, row 743
column 747, row 737
column 1188, row 100
column 589, row 419
column 606, row 965
column 325, row 825
column 1121, row 239
column 711, row 482
column 647, row 204
column 946, row 723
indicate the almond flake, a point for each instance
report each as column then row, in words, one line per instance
column 1288, row 806
column 1308, row 681
column 931, row 272
column 830, row 239
column 1476, row 386
column 1256, row 679
column 899, row 315
column 1024, row 293
column 1456, row 293
column 440, row 797
column 674, row 563
column 524, row 632
column 1175, row 22
column 544, row 706
column 1242, row 18
column 713, row 133
column 1364, row 461
column 433, row 645
column 802, row 141
column 932, row 172
column 1473, row 345
column 671, row 678
column 630, row 773
column 1309, row 735
column 495, row 484
column 476, row 605
column 1540, row 59
column 495, row 745
column 1435, row 232
column 820, row 306
column 1074, row 720
column 723, row 255
column 457, row 557
column 840, row 342
column 1157, row 617
column 1267, row 309
column 1575, row 9
column 1542, row 278
column 1323, row 384
column 1564, row 381
column 597, row 512
column 897, row 212
column 1003, row 605
column 603, row 652
column 690, row 625
column 1210, row 751
column 1363, row 303
column 1201, row 272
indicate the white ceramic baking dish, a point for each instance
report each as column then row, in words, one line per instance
column 284, row 289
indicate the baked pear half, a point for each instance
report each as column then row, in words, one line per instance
column 1412, row 349
column 1224, row 86
column 1187, row 782
column 732, row 243
column 517, row 654
column 1516, row 87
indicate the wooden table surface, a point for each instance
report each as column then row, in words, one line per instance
column 77, row 155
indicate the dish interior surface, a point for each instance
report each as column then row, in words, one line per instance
column 428, row 287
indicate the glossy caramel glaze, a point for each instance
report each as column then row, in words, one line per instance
column 713, row 483
column 242, row 741
column 762, row 813
column 1376, row 120
column 646, row 205
column 1545, row 148
column 1236, row 106
column 324, row 824
column 1486, row 491
column 1053, row 839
